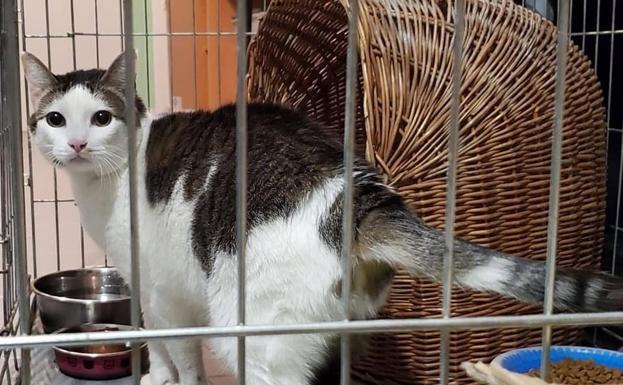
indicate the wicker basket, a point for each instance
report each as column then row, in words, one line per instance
column 298, row 58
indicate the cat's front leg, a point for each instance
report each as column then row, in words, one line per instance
column 187, row 357
column 182, row 357
column 161, row 369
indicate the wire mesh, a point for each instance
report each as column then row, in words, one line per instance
column 13, row 224
column 107, row 28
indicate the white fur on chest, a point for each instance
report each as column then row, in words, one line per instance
column 95, row 198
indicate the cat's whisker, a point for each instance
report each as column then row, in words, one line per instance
column 112, row 167
column 99, row 166
column 52, row 157
column 111, row 153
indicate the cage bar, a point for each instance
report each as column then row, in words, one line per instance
column 140, row 34
column 453, row 138
column 10, row 104
column 617, row 211
column 347, row 206
column 241, row 177
column 130, row 118
column 194, row 35
column 147, row 61
column 597, row 30
column 54, row 173
column 30, row 181
column 612, row 33
column 554, row 192
column 535, row 321
column 345, row 329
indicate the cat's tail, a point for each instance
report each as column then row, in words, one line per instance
column 389, row 233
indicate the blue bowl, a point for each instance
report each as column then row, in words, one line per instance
column 524, row 360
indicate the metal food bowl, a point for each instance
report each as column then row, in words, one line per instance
column 98, row 362
column 70, row 298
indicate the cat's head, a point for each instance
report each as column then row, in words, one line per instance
column 78, row 120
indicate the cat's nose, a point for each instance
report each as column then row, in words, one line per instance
column 77, row 145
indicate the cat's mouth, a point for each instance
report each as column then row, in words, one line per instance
column 78, row 160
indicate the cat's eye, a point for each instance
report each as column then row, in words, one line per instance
column 102, row 118
column 55, row 119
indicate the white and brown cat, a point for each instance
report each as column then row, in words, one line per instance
column 186, row 200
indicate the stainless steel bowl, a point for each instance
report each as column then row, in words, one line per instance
column 98, row 362
column 70, row 298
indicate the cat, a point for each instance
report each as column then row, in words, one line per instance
column 186, row 202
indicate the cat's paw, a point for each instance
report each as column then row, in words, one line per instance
column 161, row 376
column 194, row 380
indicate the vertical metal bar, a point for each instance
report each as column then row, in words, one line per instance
column 130, row 118
column 611, row 57
column 31, row 187
column 241, row 178
column 584, row 26
column 196, row 89
column 12, row 120
column 349, row 158
column 73, row 33
column 453, row 138
column 4, row 207
column 619, row 196
column 82, row 258
column 570, row 15
column 554, row 186
column 121, row 23
column 97, row 63
column 97, row 37
column 3, row 204
column 147, row 65
column 597, row 29
column 618, row 210
column 75, row 66
column 169, row 42
column 218, row 52
column 54, row 174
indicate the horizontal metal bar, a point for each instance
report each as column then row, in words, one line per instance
column 353, row 327
column 600, row 32
column 53, row 200
column 190, row 34
column 138, row 34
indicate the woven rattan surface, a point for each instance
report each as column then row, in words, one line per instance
column 298, row 57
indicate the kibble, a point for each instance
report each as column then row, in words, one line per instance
column 581, row 372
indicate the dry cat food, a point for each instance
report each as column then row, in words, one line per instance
column 581, row 372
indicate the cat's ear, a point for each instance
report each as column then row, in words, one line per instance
column 40, row 79
column 116, row 75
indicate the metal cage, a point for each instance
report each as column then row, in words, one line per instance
column 110, row 26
